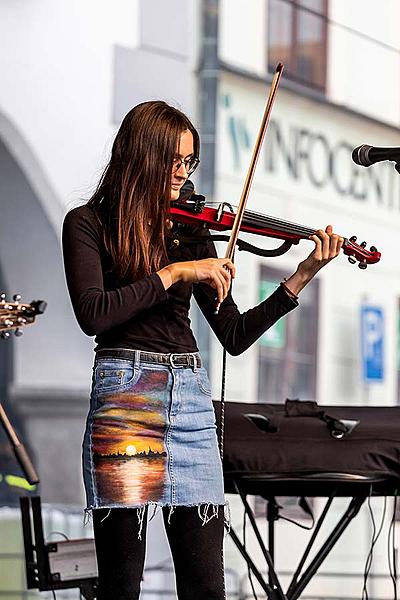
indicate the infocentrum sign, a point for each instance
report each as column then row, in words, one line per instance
column 309, row 150
column 310, row 154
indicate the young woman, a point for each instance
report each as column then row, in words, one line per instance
column 150, row 438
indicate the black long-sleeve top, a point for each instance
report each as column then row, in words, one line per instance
column 143, row 315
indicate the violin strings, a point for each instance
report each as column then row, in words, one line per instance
column 254, row 218
column 279, row 225
column 275, row 223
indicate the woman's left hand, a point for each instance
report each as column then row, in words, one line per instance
column 327, row 247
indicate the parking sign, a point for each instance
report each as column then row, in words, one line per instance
column 372, row 333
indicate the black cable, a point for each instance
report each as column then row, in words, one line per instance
column 58, row 533
column 244, row 546
column 375, row 537
column 391, row 549
column 308, row 527
column 367, row 565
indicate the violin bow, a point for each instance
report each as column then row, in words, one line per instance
column 253, row 163
column 238, row 221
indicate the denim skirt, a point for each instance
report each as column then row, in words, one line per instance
column 150, row 434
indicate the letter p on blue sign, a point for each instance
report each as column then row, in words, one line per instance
column 372, row 337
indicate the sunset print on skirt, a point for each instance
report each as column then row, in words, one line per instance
column 129, row 453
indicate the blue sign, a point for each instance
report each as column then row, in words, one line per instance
column 372, row 332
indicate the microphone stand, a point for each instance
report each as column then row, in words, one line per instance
column 19, row 449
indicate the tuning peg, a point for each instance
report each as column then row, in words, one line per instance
column 39, row 306
column 18, row 332
column 373, row 249
column 362, row 264
column 2, row 296
column 17, row 297
column 5, row 335
column 351, row 260
column 353, row 238
column 363, row 244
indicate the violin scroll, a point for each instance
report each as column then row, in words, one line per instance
column 358, row 252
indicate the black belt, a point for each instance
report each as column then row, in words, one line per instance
column 173, row 360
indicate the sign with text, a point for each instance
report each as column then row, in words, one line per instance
column 308, row 151
column 275, row 336
column 372, row 338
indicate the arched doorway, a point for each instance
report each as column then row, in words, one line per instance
column 45, row 366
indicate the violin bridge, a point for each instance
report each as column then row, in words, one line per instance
column 220, row 210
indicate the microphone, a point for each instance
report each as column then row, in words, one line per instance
column 369, row 155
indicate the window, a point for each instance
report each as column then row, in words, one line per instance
column 288, row 350
column 297, row 37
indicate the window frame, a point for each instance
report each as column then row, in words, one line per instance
column 294, row 44
column 269, row 273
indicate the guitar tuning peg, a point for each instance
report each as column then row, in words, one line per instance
column 362, row 265
column 373, row 249
column 2, row 296
column 18, row 332
column 5, row 335
column 353, row 238
column 17, row 297
column 363, row 244
column 351, row 260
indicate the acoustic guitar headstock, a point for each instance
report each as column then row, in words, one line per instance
column 16, row 315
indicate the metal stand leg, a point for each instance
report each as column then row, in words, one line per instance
column 37, row 564
column 351, row 512
column 273, row 589
column 264, row 585
column 19, row 449
column 310, row 544
column 272, row 516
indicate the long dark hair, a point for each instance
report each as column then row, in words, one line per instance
column 132, row 197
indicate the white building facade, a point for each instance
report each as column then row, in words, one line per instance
column 339, row 90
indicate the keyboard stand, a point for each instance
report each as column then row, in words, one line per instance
column 337, row 485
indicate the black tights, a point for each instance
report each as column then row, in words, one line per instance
column 196, row 551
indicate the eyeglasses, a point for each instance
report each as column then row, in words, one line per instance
column 191, row 164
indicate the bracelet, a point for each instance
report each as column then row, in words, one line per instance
column 289, row 292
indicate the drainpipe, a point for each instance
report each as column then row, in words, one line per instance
column 208, row 91
column 208, row 75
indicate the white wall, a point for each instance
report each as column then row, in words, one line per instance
column 243, row 34
column 57, row 83
column 56, row 103
column 362, row 74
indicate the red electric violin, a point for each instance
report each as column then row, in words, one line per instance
column 191, row 208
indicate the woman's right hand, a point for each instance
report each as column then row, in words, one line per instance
column 216, row 272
